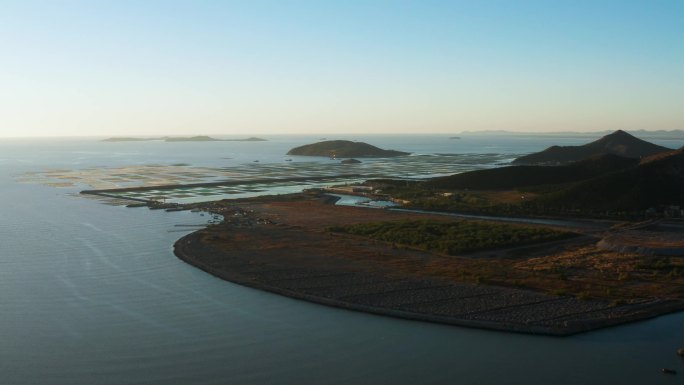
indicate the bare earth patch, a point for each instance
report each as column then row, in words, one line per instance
column 280, row 244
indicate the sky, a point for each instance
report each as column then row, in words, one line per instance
column 242, row 68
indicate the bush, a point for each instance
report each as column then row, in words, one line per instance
column 452, row 237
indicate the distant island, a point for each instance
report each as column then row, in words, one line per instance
column 125, row 139
column 199, row 138
column 618, row 143
column 344, row 149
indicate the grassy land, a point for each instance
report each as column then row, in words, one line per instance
column 584, row 272
column 453, row 237
column 395, row 246
column 590, row 272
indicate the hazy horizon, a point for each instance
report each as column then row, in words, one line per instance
column 238, row 69
column 346, row 135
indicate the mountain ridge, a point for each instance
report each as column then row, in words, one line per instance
column 618, row 143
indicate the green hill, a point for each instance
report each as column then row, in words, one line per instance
column 344, row 149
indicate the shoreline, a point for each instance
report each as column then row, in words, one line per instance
column 185, row 251
column 347, row 280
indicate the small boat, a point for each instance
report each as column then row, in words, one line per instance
column 680, row 352
column 668, row 371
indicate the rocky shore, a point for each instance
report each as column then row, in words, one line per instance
column 260, row 246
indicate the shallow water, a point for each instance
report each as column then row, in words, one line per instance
column 92, row 294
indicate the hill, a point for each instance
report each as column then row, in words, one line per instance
column 656, row 183
column 618, row 143
column 516, row 177
column 344, row 149
column 603, row 186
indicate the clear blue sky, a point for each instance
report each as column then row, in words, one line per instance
column 247, row 67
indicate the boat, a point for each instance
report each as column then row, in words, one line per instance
column 668, row 371
column 680, row 351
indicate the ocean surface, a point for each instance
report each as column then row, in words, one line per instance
column 91, row 293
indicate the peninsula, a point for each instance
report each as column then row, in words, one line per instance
column 344, row 149
column 508, row 269
column 513, row 277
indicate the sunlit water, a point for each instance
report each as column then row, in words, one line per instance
column 92, row 294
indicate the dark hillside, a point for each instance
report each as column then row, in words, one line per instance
column 653, row 184
column 523, row 176
column 618, row 143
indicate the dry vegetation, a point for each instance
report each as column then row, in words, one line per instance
column 560, row 286
column 571, row 267
column 589, row 271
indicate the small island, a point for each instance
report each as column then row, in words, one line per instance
column 199, row 138
column 350, row 161
column 344, row 149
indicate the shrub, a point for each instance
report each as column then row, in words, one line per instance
column 452, row 237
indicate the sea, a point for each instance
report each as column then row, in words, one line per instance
column 91, row 293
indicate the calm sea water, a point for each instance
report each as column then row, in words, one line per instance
column 92, row 294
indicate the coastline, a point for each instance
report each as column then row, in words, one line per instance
column 348, row 281
column 189, row 251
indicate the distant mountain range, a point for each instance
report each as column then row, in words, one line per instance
column 344, row 149
column 617, row 143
